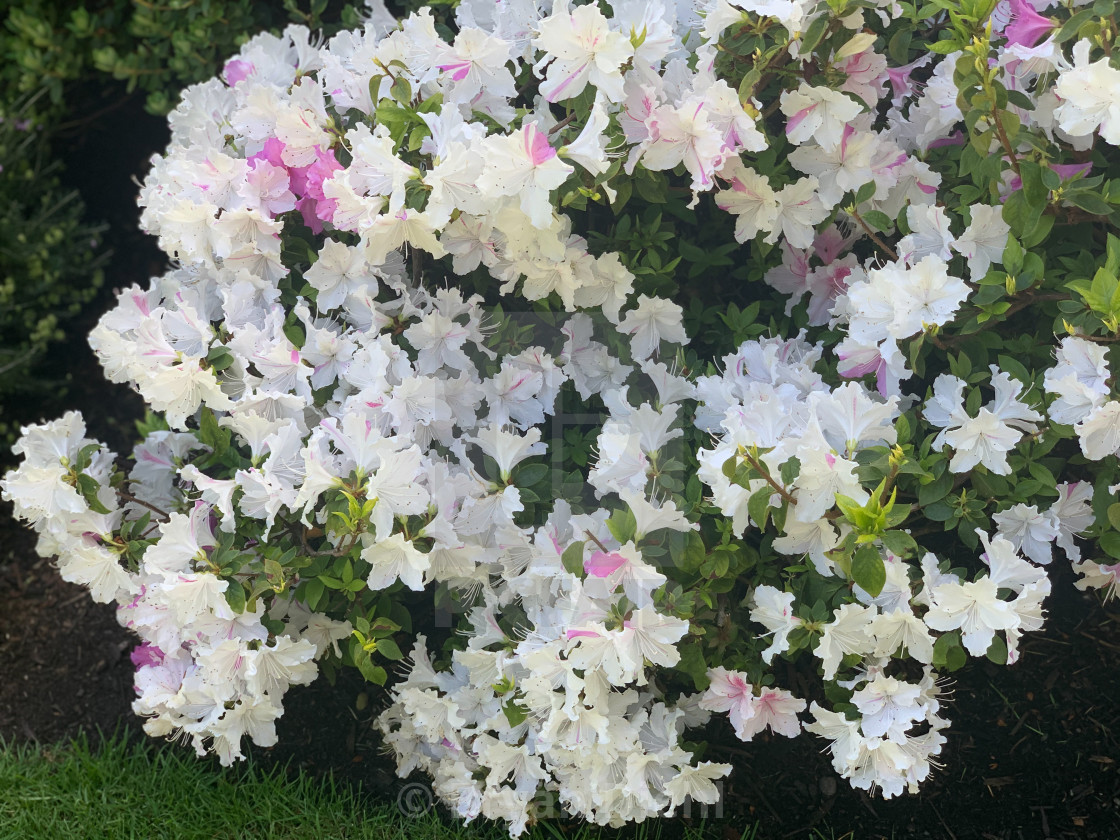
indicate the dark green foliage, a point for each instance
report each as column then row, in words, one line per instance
column 50, row 258
column 158, row 47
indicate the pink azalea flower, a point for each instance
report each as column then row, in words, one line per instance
column 749, row 714
column 457, row 70
column 1065, row 171
column 537, row 147
column 602, row 563
column 730, row 692
column 829, row 244
column 954, row 139
column 272, row 152
column 308, row 208
column 145, row 655
column 858, row 362
column 237, row 70
column 324, row 167
column 1027, row 26
column 902, row 85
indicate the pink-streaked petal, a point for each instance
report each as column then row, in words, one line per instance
column 601, row 564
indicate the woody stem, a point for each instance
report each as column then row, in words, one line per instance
column 765, row 473
column 128, row 497
column 883, row 246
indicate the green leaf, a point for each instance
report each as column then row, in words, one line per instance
column 1112, row 260
column 997, row 651
column 652, row 186
column 693, row 663
column 814, row 34
column 416, row 140
column 530, row 475
column 389, row 649
column 375, row 88
column 235, row 596
column 373, row 673
column 210, row 433
column 1110, row 542
column 1019, row 214
column 941, row 648
column 274, row 572
column 572, row 558
column 259, row 587
column 902, row 427
column 899, row 543
column 935, row 490
column 1103, row 293
column 943, row 47
column 137, row 547
column 381, row 626
column 394, row 117
column 868, row 571
column 294, row 333
column 1039, row 232
column 1089, row 201
column 878, row 220
column 88, row 487
column 401, row 90
column 219, row 358
column 622, row 525
column 865, row 192
column 85, row 456
column 624, row 189
column 1070, row 27
column 758, row 506
column 897, row 514
column 313, row 592
column 955, row 658
column 1020, row 100
column 687, row 551
column 1013, row 255
column 939, row 511
column 515, row 712
column 1013, row 366
column 899, row 46
column 948, row 653
column 855, row 513
column 432, row 104
column 1114, row 515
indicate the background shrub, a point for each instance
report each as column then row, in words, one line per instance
column 51, row 259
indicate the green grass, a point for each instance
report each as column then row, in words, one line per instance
column 121, row 791
column 124, row 791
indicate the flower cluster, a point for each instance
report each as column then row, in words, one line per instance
column 445, row 327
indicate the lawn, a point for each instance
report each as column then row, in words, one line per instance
column 122, row 788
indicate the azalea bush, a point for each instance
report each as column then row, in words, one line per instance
column 603, row 358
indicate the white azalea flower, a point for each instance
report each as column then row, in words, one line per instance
column 1090, row 96
column 581, row 48
column 984, row 239
column 394, row 558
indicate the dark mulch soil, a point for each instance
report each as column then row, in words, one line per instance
column 1034, row 750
